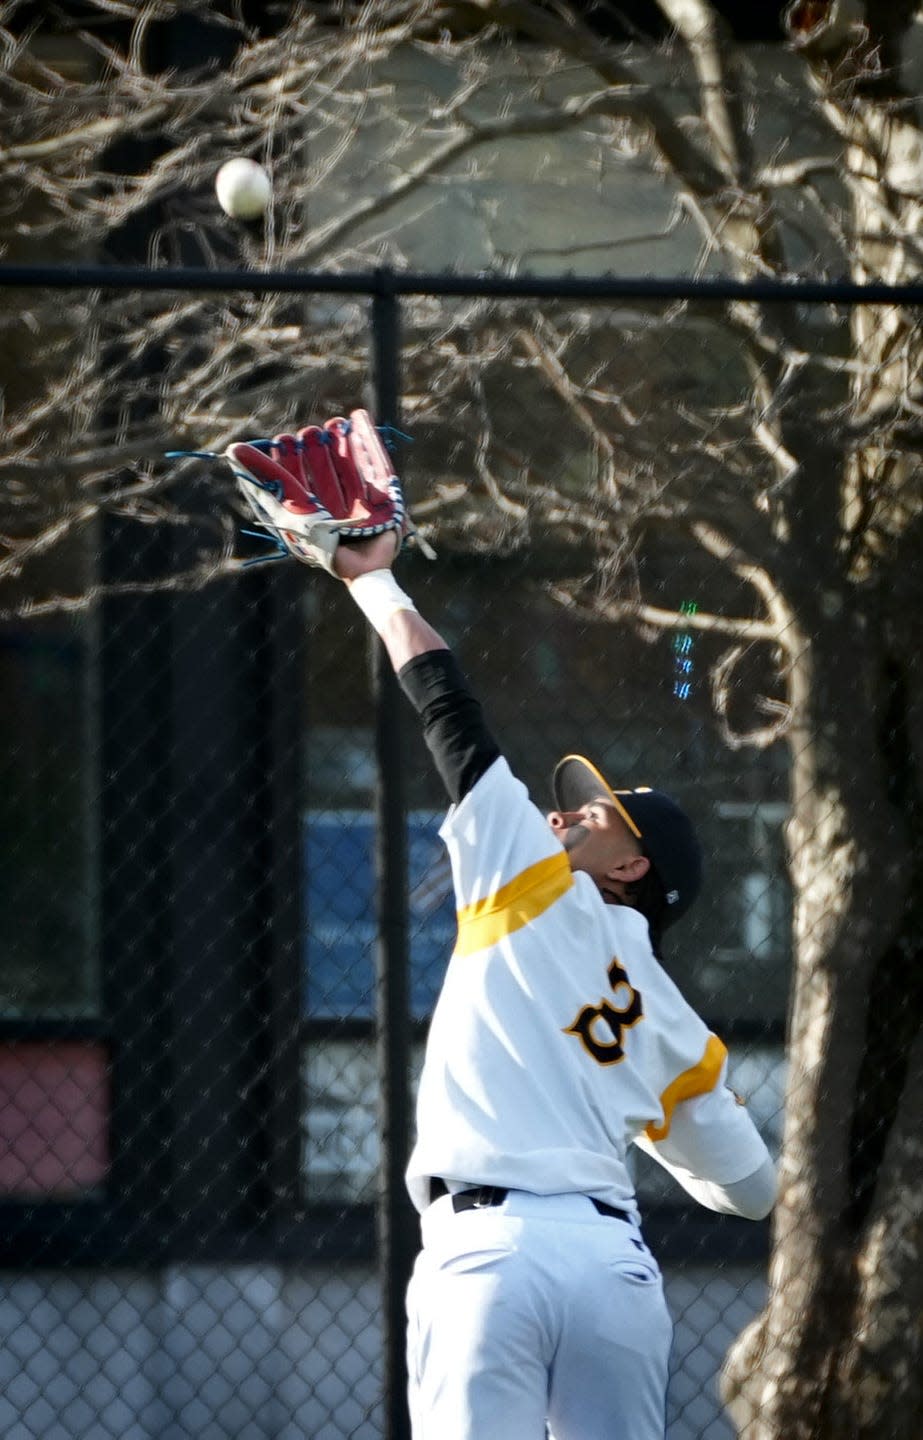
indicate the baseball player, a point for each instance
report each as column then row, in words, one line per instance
column 558, row 1039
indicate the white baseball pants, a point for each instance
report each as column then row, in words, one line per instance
column 537, row 1310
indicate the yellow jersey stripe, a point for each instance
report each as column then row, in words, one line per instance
column 698, row 1080
column 522, row 899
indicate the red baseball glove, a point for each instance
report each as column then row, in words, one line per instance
column 326, row 485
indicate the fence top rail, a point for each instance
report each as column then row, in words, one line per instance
column 488, row 285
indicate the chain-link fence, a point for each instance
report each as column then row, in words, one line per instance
column 227, row 911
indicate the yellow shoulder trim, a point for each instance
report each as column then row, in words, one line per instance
column 698, row 1080
column 520, row 900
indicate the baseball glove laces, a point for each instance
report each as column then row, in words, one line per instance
column 325, row 486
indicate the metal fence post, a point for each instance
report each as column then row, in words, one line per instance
column 396, row 1220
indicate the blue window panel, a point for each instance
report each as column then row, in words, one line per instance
column 339, row 952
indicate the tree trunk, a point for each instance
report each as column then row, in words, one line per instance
column 836, row 1355
column 878, row 1388
column 832, row 1357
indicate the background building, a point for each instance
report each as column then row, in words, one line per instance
column 188, row 1081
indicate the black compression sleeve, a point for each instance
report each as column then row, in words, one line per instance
column 453, row 723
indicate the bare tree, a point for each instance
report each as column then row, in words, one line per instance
column 793, row 463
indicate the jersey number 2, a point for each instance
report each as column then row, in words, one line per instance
column 617, row 1015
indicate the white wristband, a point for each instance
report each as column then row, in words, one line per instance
column 379, row 596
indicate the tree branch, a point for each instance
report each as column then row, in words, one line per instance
column 570, row 36
column 93, row 135
column 716, row 543
column 759, row 737
column 740, row 628
column 193, row 578
column 708, row 40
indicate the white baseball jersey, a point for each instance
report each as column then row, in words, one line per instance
column 558, row 1038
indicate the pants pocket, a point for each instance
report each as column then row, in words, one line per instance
column 468, row 1262
column 642, row 1272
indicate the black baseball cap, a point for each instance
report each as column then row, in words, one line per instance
column 665, row 831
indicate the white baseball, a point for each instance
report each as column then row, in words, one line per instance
column 243, row 188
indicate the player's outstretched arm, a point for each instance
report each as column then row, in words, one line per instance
column 330, row 497
column 453, row 723
column 365, row 568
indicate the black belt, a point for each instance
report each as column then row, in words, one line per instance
column 484, row 1197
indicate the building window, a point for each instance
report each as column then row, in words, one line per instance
column 47, row 890
column 340, row 1149
column 54, row 1081
column 54, row 1119
column 339, row 883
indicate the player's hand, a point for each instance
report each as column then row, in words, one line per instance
column 357, row 557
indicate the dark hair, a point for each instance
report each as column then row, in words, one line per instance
column 648, row 896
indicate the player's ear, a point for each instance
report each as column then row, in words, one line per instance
column 630, row 871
